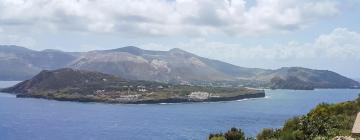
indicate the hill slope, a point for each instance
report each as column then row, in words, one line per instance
column 85, row 86
column 173, row 66
column 324, row 122
column 308, row 78
column 165, row 66
column 18, row 63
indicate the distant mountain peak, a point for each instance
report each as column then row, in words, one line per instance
column 289, row 68
column 13, row 48
column 176, row 50
column 129, row 49
column 51, row 50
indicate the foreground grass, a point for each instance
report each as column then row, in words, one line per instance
column 322, row 123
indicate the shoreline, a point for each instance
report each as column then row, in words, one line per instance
column 157, row 101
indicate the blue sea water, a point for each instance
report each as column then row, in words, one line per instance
column 39, row 119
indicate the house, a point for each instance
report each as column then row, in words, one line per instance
column 142, row 90
column 199, row 95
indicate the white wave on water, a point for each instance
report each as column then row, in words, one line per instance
column 243, row 99
column 207, row 102
column 266, row 97
column 168, row 103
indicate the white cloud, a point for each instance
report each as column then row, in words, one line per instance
column 338, row 50
column 339, row 37
column 165, row 17
column 339, row 43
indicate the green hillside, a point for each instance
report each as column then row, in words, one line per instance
column 324, row 122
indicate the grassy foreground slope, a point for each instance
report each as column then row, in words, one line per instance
column 324, row 122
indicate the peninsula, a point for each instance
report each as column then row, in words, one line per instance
column 85, row 86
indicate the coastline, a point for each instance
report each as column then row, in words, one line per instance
column 259, row 94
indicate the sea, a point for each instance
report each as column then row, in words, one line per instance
column 40, row 119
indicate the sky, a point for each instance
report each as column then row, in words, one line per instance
column 319, row 34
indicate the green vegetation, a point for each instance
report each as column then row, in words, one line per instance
column 322, row 123
column 85, row 86
column 290, row 82
column 232, row 134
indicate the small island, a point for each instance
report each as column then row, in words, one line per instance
column 85, row 86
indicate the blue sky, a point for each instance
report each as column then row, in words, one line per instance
column 321, row 34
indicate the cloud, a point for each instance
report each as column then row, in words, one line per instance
column 340, row 42
column 338, row 50
column 166, row 17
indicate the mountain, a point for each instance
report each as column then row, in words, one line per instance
column 86, row 86
column 60, row 79
column 19, row 63
column 290, row 82
column 308, row 78
column 173, row 66
column 135, row 63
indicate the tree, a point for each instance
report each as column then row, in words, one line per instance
column 235, row 134
column 267, row 134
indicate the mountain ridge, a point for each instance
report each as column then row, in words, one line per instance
column 172, row 66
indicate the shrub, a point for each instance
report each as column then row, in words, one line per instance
column 232, row 134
